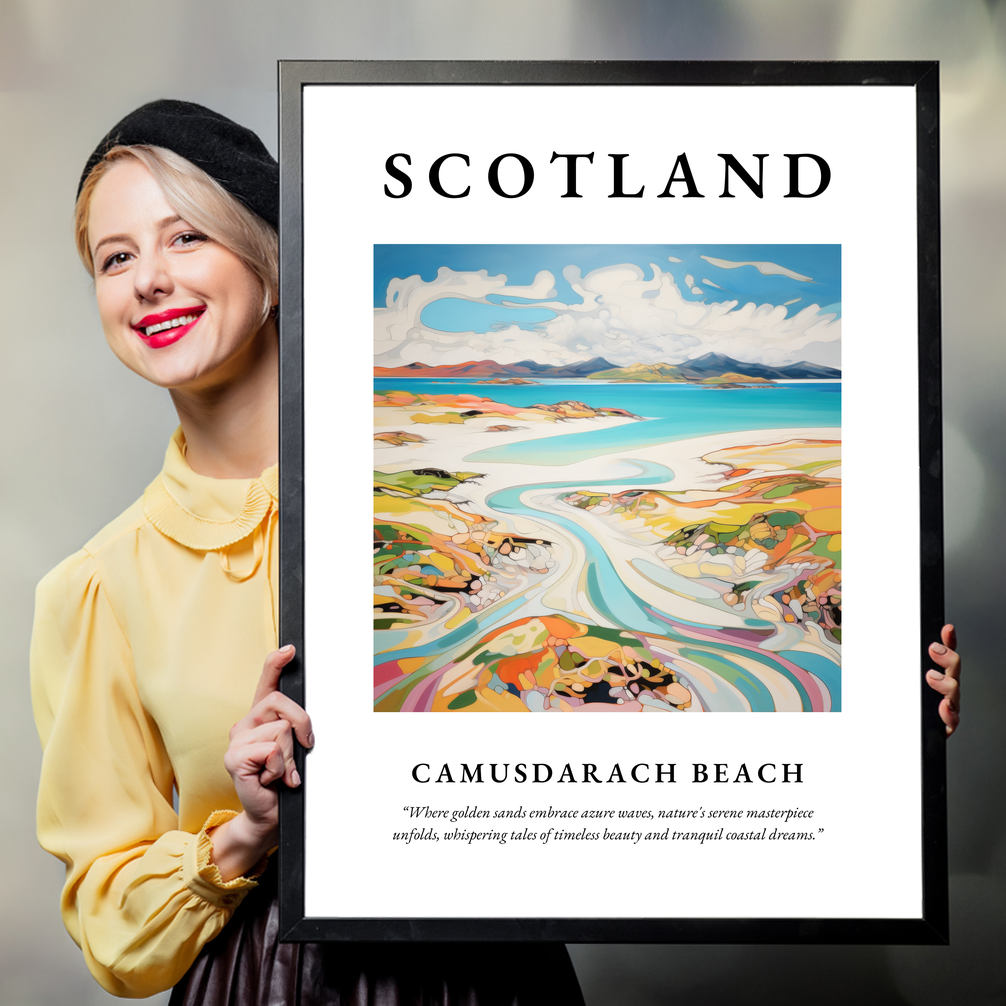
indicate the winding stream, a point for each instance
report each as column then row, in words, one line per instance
column 736, row 662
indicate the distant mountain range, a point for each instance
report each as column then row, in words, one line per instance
column 712, row 365
column 716, row 364
column 489, row 368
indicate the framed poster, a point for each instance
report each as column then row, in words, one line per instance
column 597, row 313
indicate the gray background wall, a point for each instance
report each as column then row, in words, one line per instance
column 81, row 436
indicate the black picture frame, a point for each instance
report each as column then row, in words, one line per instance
column 932, row 926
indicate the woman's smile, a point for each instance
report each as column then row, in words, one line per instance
column 166, row 327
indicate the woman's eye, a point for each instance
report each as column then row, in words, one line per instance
column 190, row 238
column 114, row 261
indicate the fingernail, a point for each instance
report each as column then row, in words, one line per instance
column 295, row 777
column 936, row 675
column 287, row 649
column 310, row 740
column 938, row 648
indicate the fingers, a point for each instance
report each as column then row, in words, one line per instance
column 947, row 657
column 947, row 680
column 950, row 716
column 949, row 687
column 277, row 706
column 271, row 671
column 262, row 760
column 270, row 703
column 272, row 761
column 261, row 749
column 265, row 751
column 948, row 709
column 949, row 636
column 949, row 661
column 280, row 763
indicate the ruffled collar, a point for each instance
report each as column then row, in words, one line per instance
column 203, row 513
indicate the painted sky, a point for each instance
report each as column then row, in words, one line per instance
column 558, row 304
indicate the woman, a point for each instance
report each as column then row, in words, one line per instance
column 149, row 642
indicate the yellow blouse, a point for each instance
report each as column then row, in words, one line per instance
column 147, row 647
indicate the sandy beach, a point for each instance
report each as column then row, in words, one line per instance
column 562, row 556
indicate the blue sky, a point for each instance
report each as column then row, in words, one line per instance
column 520, row 264
column 448, row 304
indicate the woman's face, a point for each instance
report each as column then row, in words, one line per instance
column 177, row 308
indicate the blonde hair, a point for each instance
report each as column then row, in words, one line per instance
column 199, row 200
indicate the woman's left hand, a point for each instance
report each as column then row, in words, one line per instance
column 947, row 682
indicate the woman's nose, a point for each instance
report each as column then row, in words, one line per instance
column 152, row 277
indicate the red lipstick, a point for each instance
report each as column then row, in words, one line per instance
column 166, row 328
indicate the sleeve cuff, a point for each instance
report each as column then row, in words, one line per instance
column 202, row 876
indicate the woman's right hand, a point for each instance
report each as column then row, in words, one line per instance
column 260, row 753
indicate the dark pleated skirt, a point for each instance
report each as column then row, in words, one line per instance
column 246, row 965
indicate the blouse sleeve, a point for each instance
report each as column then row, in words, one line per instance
column 141, row 898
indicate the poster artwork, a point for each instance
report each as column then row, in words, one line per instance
column 607, row 478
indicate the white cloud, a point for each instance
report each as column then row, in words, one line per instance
column 624, row 317
column 765, row 268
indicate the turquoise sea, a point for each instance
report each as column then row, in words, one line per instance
column 672, row 412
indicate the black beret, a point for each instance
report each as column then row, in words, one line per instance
column 230, row 154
